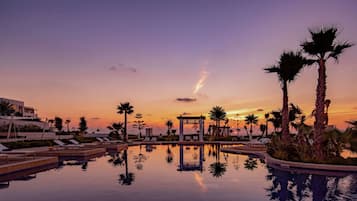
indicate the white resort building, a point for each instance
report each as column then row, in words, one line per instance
column 20, row 109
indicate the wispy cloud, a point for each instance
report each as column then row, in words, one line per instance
column 122, row 68
column 186, row 100
column 201, row 81
column 95, row 118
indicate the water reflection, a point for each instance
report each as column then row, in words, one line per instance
column 178, row 172
column 297, row 185
column 191, row 165
column 129, row 177
column 139, row 159
column 251, row 163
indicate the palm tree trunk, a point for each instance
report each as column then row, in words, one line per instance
column 125, row 132
column 251, row 131
column 285, row 113
column 320, row 106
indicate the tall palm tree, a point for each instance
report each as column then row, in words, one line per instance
column 266, row 116
column 320, row 48
column 169, row 125
column 251, row 120
column 125, row 108
column 217, row 114
column 288, row 68
column 327, row 105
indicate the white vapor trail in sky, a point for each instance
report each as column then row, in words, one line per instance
column 201, row 82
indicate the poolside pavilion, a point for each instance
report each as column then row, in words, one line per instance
column 200, row 120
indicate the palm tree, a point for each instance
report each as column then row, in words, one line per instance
column 217, row 114
column 83, row 125
column 67, row 123
column 262, row 128
column 251, row 120
column 6, row 109
column 115, row 129
column 320, row 48
column 295, row 114
column 125, row 108
column 288, row 68
column 276, row 120
column 169, row 125
column 266, row 116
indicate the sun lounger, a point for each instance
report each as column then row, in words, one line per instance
column 106, row 139
column 146, row 139
column 99, row 139
column 3, row 148
column 153, row 139
column 73, row 141
column 59, row 142
column 62, row 144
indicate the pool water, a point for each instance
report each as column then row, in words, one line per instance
column 173, row 172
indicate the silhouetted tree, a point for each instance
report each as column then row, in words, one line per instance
column 58, row 123
column 217, row 114
column 125, row 108
column 289, row 66
column 251, row 120
column 320, row 48
column 115, row 129
column 82, row 124
column 266, row 116
column 169, row 125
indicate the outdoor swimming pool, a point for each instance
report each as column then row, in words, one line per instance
column 173, row 172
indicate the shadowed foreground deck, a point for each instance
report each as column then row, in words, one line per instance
column 12, row 164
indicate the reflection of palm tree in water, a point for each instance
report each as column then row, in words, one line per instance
column 279, row 189
column 217, row 169
column 116, row 160
column 287, row 186
column 250, row 163
column 127, row 178
column 169, row 156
